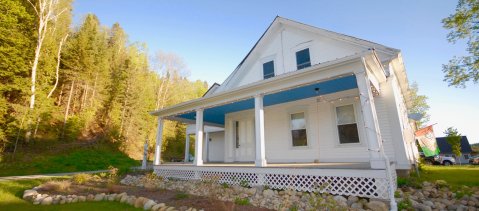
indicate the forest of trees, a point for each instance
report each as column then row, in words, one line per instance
column 87, row 82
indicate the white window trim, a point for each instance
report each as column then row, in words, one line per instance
column 338, row 144
column 295, row 110
column 299, row 47
column 268, row 59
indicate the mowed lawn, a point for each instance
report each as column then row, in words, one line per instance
column 456, row 175
column 11, row 193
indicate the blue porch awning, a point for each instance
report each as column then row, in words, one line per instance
column 216, row 115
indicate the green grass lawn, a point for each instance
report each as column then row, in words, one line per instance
column 11, row 199
column 98, row 157
column 455, row 176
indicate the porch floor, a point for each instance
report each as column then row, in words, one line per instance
column 330, row 165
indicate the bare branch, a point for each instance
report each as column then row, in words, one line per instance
column 34, row 7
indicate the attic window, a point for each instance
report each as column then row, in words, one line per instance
column 303, row 59
column 268, row 70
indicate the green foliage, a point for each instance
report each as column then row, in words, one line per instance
column 405, row 204
column 242, row 201
column 294, row 208
column 453, row 138
column 401, row 182
column 463, row 25
column 106, row 86
column 418, row 104
column 181, row 195
column 225, row 185
column 16, row 41
column 464, row 191
column 408, row 182
column 97, row 157
column 244, row 183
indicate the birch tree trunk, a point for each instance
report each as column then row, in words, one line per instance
column 57, row 71
column 167, row 86
column 59, row 103
column 57, row 76
column 94, row 91
column 67, row 108
column 45, row 14
column 158, row 95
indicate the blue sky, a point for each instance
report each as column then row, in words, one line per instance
column 213, row 37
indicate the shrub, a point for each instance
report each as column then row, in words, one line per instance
column 244, row 183
column 242, row 201
column 463, row 191
column 397, row 194
column 405, row 204
column 225, row 185
column 402, row 182
column 294, row 208
column 113, row 175
column 81, row 178
column 441, row 183
column 60, row 186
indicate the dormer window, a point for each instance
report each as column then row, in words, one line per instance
column 303, row 59
column 268, row 70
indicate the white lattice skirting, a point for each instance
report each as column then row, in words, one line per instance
column 357, row 182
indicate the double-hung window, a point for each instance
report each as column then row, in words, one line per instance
column 268, row 70
column 298, row 129
column 347, row 125
column 303, row 59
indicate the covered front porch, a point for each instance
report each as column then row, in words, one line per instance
column 348, row 79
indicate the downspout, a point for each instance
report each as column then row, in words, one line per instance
column 392, row 200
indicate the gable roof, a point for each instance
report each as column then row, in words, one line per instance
column 211, row 89
column 278, row 21
column 446, row 147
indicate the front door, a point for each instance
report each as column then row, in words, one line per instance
column 244, row 139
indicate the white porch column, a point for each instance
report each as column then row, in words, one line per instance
column 373, row 136
column 259, row 131
column 159, row 137
column 199, row 138
column 187, row 148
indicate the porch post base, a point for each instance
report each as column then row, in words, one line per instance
column 260, row 163
column 198, row 162
column 378, row 164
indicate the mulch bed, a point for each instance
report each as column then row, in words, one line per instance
column 170, row 198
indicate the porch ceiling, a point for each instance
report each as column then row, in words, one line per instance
column 216, row 115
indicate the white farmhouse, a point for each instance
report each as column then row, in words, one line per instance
column 306, row 109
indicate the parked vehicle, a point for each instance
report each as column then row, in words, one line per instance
column 440, row 160
column 474, row 160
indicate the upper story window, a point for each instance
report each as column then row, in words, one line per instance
column 303, row 59
column 298, row 130
column 347, row 125
column 268, row 70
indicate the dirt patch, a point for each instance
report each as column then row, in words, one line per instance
column 169, row 197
